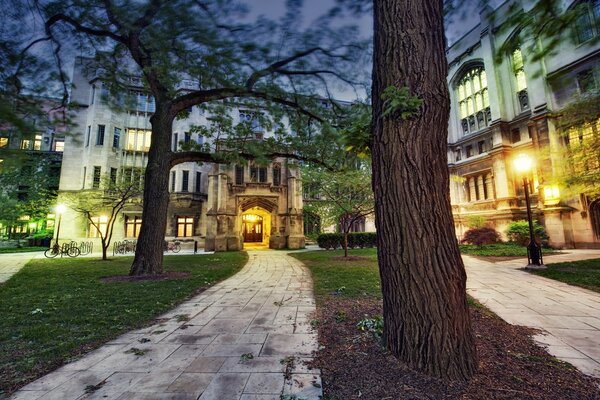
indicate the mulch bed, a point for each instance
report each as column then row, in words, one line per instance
column 511, row 365
column 144, row 278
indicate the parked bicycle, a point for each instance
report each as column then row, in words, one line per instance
column 69, row 249
column 175, row 247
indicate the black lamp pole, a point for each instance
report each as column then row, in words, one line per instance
column 534, row 250
column 58, row 228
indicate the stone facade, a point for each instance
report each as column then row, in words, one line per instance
column 502, row 109
column 207, row 206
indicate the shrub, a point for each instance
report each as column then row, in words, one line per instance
column 355, row 240
column 329, row 240
column 518, row 232
column 481, row 236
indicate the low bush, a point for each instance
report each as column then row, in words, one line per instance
column 355, row 240
column 481, row 236
column 330, row 241
column 518, row 232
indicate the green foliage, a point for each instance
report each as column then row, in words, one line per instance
column 481, row 236
column 79, row 312
column 330, row 272
column 398, row 102
column 332, row 241
column 585, row 273
column 518, row 232
column 372, row 325
column 476, row 221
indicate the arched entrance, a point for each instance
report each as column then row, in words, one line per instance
column 252, row 228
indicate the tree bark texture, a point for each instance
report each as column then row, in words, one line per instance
column 149, row 249
column 427, row 323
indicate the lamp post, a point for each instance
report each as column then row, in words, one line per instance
column 523, row 164
column 60, row 209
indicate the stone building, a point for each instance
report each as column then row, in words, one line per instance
column 502, row 109
column 220, row 207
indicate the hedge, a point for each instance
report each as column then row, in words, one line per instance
column 355, row 239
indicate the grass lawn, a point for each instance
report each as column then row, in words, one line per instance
column 585, row 273
column 21, row 249
column 350, row 278
column 54, row 310
column 499, row 250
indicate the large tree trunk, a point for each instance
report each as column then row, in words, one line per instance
column 423, row 279
column 149, row 249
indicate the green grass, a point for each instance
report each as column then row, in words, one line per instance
column 584, row 273
column 344, row 278
column 53, row 310
column 21, row 249
column 498, row 250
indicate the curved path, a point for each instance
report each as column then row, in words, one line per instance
column 246, row 338
column 568, row 316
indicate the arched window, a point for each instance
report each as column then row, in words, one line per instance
column 521, row 81
column 587, row 21
column 474, row 101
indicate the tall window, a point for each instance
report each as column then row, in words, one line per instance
column 132, row 226
column 173, row 177
column 187, row 137
column 262, row 174
column 96, row 177
column 587, row 21
column 113, row 176
column 473, row 101
column 239, row 175
column 185, row 226
column 276, row 175
column 175, row 142
column 37, row 142
column 99, row 226
column 87, row 136
column 521, row 81
column 253, row 174
column 100, row 135
column 185, row 180
column 3, row 141
column 198, row 186
column 117, row 138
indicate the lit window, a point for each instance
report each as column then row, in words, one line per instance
column 37, row 143
column 25, row 144
column 521, row 81
column 99, row 226
column 3, row 142
column 185, row 226
column 473, row 101
column 132, row 226
column 59, row 145
column 138, row 139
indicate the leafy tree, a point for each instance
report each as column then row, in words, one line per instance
column 28, row 189
column 345, row 196
column 107, row 202
column 278, row 66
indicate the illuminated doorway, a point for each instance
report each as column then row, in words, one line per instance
column 252, row 228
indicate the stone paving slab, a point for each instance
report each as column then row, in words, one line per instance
column 568, row 316
column 246, row 338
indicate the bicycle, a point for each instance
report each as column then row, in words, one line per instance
column 175, row 247
column 69, row 249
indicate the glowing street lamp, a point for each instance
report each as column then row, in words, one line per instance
column 523, row 164
column 60, row 209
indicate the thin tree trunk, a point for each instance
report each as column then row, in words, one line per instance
column 149, row 249
column 346, row 244
column 104, row 248
column 426, row 317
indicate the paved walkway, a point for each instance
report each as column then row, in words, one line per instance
column 247, row 338
column 11, row 263
column 568, row 316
